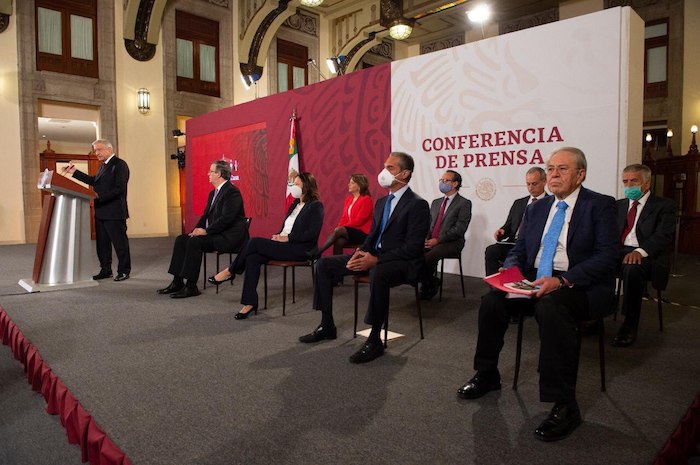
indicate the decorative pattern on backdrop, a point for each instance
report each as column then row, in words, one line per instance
column 245, row 148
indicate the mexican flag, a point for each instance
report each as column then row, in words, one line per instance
column 293, row 169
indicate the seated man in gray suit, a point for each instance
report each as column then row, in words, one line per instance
column 646, row 224
column 506, row 235
column 449, row 219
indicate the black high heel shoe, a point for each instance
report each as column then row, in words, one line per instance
column 243, row 316
column 213, row 280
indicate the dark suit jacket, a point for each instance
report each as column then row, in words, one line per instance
column 515, row 215
column 592, row 246
column 655, row 230
column 307, row 226
column 405, row 232
column 226, row 218
column 110, row 185
column 455, row 221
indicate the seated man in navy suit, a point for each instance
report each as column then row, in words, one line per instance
column 495, row 254
column 449, row 219
column 568, row 244
column 646, row 224
column 222, row 227
column 392, row 254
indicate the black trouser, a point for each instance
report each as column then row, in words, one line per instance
column 557, row 314
column 110, row 233
column 495, row 255
column 382, row 277
column 434, row 255
column 634, row 278
column 186, row 260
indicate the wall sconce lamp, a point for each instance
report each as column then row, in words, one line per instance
column 336, row 64
column 669, row 136
column 249, row 80
column 311, row 3
column 647, row 152
column 693, row 150
column 312, row 62
column 144, row 101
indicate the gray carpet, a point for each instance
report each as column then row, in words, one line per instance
column 180, row 381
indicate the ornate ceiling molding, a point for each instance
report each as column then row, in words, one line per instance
column 524, row 22
column 303, row 22
column 442, row 44
column 255, row 44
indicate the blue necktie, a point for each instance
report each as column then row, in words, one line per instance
column 385, row 219
column 549, row 243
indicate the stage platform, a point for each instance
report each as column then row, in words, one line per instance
column 181, row 382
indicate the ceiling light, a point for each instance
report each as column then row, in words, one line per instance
column 311, row 3
column 400, row 30
column 480, row 14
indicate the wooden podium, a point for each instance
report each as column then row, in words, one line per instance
column 64, row 257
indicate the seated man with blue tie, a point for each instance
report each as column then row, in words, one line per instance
column 392, row 254
column 647, row 224
column 495, row 254
column 569, row 244
column 221, row 228
column 449, row 219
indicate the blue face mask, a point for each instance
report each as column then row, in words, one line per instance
column 633, row 192
column 445, row 187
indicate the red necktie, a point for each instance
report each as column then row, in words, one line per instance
column 631, row 216
column 438, row 222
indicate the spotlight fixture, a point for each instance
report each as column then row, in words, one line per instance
column 249, row 80
column 143, row 101
column 311, row 3
column 312, row 62
column 335, row 64
column 479, row 14
column 177, row 133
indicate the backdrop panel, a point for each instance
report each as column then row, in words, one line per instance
column 343, row 128
column 491, row 110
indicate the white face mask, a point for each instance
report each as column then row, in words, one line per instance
column 295, row 191
column 385, row 178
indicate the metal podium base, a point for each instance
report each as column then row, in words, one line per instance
column 30, row 286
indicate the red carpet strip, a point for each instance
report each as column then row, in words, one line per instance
column 95, row 447
column 684, row 441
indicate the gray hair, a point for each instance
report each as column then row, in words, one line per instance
column 638, row 168
column 537, row 170
column 223, row 167
column 104, row 142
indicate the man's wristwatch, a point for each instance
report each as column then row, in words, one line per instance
column 562, row 282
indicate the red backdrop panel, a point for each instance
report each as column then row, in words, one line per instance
column 344, row 127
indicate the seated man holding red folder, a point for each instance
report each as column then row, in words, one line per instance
column 568, row 246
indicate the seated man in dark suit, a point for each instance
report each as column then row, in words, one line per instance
column 506, row 235
column 449, row 219
column 392, row 254
column 222, row 228
column 568, row 244
column 646, row 224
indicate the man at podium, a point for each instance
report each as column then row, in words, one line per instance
column 111, row 210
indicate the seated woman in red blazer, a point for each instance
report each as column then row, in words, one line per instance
column 356, row 219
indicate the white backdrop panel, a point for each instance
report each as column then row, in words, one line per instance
column 491, row 110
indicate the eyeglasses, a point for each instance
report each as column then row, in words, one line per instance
column 562, row 169
column 446, row 180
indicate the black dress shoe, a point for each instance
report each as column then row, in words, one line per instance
column 625, row 337
column 319, row 334
column 171, row 289
column 102, row 275
column 243, row 316
column 185, row 292
column 121, row 277
column 215, row 282
column 428, row 291
column 480, row 384
column 561, row 422
column 368, row 352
